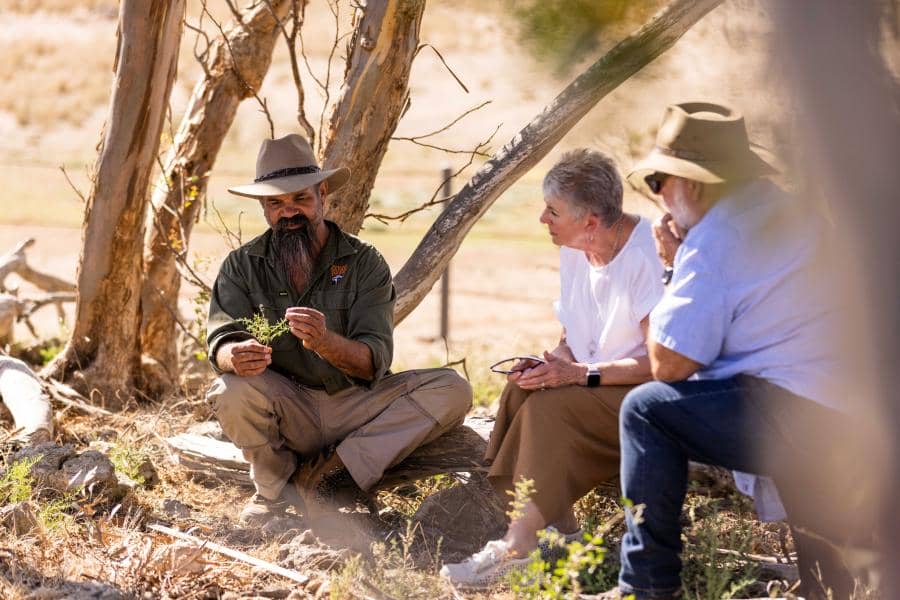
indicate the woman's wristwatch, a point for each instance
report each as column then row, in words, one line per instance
column 593, row 376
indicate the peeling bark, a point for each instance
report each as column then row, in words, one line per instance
column 375, row 91
column 235, row 72
column 104, row 343
column 533, row 142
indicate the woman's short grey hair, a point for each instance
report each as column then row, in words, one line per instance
column 589, row 182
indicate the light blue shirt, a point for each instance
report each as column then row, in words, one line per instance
column 749, row 295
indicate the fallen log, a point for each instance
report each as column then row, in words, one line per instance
column 16, row 262
column 21, row 392
column 204, row 450
column 12, row 308
column 458, row 451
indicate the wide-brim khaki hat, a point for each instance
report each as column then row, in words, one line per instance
column 705, row 142
column 287, row 165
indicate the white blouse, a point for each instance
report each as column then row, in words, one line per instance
column 601, row 308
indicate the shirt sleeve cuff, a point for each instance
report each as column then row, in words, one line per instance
column 380, row 359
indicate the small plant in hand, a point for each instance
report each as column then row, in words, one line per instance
column 264, row 331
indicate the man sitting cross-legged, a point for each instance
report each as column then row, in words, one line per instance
column 321, row 397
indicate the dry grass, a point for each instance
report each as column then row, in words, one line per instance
column 104, row 546
column 48, row 89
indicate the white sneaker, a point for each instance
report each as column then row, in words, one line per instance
column 484, row 568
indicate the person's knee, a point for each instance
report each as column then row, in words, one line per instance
column 639, row 403
column 539, row 407
column 445, row 395
column 459, row 393
column 231, row 397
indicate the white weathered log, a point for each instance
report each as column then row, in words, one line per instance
column 376, row 90
column 23, row 395
column 12, row 308
column 533, row 142
column 104, row 346
column 16, row 262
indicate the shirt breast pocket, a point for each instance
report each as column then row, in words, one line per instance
column 335, row 305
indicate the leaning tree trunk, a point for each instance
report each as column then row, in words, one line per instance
column 104, row 345
column 532, row 143
column 236, row 70
column 374, row 94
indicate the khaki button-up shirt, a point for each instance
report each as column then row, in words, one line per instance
column 350, row 283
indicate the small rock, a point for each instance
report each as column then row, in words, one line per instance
column 107, row 435
column 90, row 470
column 176, row 508
column 49, row 459
column 186, row 557
column 20, row 518
column 147, row 470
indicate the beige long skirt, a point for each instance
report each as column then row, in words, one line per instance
column 564, row 439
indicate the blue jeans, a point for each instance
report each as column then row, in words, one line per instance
column 743, row 423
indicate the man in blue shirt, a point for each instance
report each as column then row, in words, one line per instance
column 742, row 349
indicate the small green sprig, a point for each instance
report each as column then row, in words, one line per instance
column 260, row 328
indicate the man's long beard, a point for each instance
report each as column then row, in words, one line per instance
column 295, row 249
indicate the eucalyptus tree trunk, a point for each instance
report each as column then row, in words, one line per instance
column 375, row 92
column 104, row 347
column 237, row 66
column 533, row 142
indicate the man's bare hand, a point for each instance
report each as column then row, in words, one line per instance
column 668, row 235
column 245, row 358
column 307, row 325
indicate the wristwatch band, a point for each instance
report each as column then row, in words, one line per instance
column 667, row 275
column 593, row 377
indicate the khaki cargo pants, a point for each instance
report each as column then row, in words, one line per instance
column 276, row 422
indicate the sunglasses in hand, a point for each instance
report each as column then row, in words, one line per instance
column 516, row 364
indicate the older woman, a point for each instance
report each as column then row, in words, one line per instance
column 557, row 423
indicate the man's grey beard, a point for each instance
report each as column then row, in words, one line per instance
column 295, row 249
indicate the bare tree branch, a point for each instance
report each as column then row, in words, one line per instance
column 533, row 142
column 445, row 127
column 264, row 108
column 298, row 16
column 336, row 11
column 434, row 200
column 441, row 56
column 72, row 185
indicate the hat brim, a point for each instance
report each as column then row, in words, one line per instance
column 292, row 183
column 748, row 166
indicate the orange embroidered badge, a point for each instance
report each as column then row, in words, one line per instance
column 338, row 272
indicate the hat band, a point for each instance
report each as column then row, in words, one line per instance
column 287, row 173
column 682, row 154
